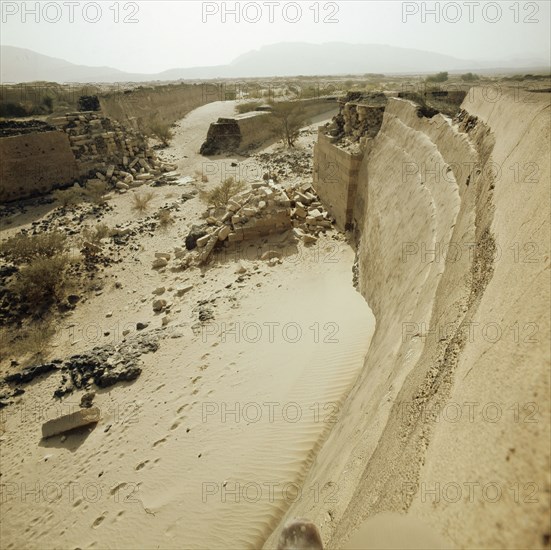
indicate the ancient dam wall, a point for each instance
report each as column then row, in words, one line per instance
column 30, row 164
column 449, row 418
column 167, row 103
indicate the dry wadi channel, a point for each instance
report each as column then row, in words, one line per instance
column 341, row 368
column 252, row 359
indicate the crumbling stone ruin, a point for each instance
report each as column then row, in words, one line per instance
column 39, row 157
column 360, row 115
column 97, row 141
column 267, row 209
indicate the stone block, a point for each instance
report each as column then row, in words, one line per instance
column 68, row 422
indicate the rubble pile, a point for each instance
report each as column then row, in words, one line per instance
column 266, row 209
column 105, row 148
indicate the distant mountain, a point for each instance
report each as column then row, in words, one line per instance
column 282, row 59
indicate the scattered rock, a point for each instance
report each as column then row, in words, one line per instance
column 183, row 290
column 86, row 399
column 159, row 305
column 270, row 254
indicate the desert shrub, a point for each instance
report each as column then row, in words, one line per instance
column 221, row 194
column 247, row 107
column 142, row 200
column 32, row 341
column 41, row 281
column 287, row 118
column 165, row 218
column 161, row 131
column 96, row 191
column 95, row 234
column 71, row 195
column 23, row 248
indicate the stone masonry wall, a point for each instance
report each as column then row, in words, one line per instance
column 336, row 178
column 34, row 163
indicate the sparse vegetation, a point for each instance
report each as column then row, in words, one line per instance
column 469, row 77
column 161, row 131
column 288, row 118
column 95, row 234
column 142, row 200
column 24, row 248
column 96, row 191
column 41, row 281
column 69, row 196
column 29, row 343
column 42, row 275
column 165, row 218
column 438, row 77
column 221, row 194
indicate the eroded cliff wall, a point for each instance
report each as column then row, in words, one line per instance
column 449, row 419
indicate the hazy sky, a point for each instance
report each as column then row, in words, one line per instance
column 159, row 35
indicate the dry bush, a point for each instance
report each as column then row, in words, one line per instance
column 29, row 344
column 221, row 194
column 165, row 218
column 95, row 234
column 25, row 248
column 161, row 131
column 287, row 119
column 71, row 195
column 142, row 200
column 96, row 191
column 41, row 281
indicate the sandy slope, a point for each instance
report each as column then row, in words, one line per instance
column 449, row 419
column 158, row 471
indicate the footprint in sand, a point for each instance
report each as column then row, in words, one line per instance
column 117, row 488
column 141, row 465
column 176, row 423
column 159, row 442
column 182, row 408
column 196, row 379
column 99, row 520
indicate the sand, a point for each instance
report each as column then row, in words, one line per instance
column 211, row 444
